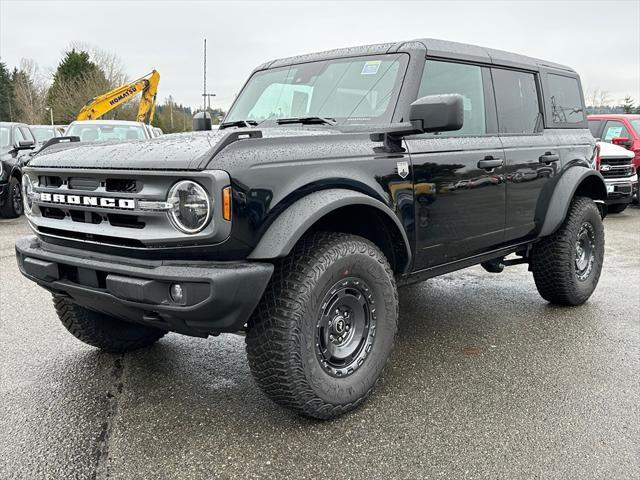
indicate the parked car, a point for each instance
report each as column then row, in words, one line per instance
column 16, row 139
column 618, row 129
column 615, row 163
column 297, row 219
column 108, row 130
column 42, row 133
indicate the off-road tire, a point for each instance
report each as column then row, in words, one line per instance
column 103, row 331
column 13, row 208
column 617, row 208
column 281, row 341
column 554, row 261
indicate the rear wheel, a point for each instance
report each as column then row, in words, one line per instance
column 324, row 330
column 566, row 266
column 13, row 207
column 103, row 331
column 617, row 208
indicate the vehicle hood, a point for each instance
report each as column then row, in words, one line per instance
column 183, row 151
column 611, row 150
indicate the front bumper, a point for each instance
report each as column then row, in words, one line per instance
column 621, row 190
column 218, row 296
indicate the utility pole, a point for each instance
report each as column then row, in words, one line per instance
column 206, row 97
column 204, row 91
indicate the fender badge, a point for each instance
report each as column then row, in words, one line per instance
column 403, row 169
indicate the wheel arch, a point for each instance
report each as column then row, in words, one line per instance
column 576, row 181
column 341, row 210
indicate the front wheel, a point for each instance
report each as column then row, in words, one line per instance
column 13, row 207
column 325, row 327
column 566, row 266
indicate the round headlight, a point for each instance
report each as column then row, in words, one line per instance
column 27, row 193
column 191, row 206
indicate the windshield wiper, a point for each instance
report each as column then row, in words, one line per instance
column 239, row 123
column 307, row 120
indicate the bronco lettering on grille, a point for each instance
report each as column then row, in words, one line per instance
column 105, row 202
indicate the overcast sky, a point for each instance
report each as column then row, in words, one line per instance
column 600, row 40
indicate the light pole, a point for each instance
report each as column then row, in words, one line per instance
column 50, row 110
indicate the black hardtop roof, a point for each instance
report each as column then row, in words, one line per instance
column 431, row 47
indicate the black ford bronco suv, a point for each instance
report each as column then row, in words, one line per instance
column 335, row 178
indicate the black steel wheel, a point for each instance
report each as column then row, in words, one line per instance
column 323, row 332
column 346, row 326
column 585, row 251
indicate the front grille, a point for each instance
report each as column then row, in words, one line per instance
column 117, row 207
column 611, row 167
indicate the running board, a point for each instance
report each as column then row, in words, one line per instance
column 438, row 270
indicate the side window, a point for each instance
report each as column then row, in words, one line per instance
column 614, row 129
column 17, row 136
column 441, row 78
column 26, row 133
column 565, row 100
column 516, row 101
column 594, row 126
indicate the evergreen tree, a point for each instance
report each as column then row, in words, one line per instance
column 76, row 81
column 628, row 105
column 6, row 94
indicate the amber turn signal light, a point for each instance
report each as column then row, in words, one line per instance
column 226, row 203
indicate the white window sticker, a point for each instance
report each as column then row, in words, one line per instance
column 467, row 104
column 612, row 132
column 371, row 67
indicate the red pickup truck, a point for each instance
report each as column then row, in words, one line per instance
column 619, row 129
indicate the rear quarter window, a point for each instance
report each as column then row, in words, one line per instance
column 564, row 101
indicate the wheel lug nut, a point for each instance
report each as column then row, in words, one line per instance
column 331, row 337
column 347, row 328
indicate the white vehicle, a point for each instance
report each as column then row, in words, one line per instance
column 616, row 167
column 106, row 130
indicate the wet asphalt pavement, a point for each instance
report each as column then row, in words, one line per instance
column 487, row 381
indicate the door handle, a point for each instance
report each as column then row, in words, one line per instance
column 489, row 162
column 549, row 157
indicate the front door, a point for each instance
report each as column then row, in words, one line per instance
column 458, row 176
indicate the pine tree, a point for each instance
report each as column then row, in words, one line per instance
column 628, row 105
column 6, row 94
column 76, row 81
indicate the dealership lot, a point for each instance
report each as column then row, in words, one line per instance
column 487, row 381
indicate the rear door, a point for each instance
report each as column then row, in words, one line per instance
column 531, row 154
column 458, row 176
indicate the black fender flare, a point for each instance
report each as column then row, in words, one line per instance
column 290, row 226
column 565, row 189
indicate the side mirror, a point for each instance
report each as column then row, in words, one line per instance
column 437, row 113
column 622, row 141
column 24, row 145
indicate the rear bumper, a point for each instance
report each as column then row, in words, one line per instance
column 217, row 297
column 621, row 190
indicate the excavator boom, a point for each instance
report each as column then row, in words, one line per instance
column 103, row 104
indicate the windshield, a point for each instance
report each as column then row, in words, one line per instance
column 635, row 124
column 348, row 90
column 4, row 136
column 100, row 133
column 43, row 134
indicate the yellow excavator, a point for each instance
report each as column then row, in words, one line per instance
column 103, row 104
